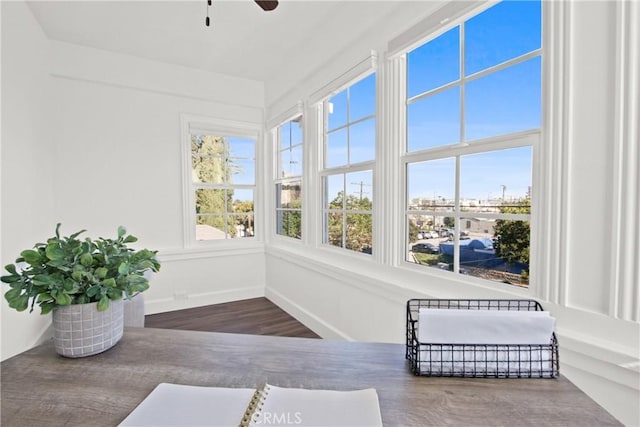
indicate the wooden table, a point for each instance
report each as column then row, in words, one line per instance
column 41, row 388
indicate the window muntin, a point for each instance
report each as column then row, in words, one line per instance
column 288, row 184
column 350, row 125
column 347, row 176
column 470, row 143
column 223, row 183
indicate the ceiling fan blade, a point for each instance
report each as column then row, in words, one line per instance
column 267, row 5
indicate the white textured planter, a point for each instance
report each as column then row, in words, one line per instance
column 81, row 330
column 134, row 311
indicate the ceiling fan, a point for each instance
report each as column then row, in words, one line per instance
column 266, row 5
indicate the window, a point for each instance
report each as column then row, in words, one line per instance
column 289, row 178
column 220, row 186
column 347, row 176
column 473, row 123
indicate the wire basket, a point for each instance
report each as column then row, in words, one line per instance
column 478, row 360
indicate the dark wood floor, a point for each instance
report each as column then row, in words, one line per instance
column 257, row 316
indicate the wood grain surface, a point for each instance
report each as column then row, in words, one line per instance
column 41, row 388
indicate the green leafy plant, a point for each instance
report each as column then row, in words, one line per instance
column 68, row 270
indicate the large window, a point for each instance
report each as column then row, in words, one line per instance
column 473, row 123
column 347, row 175
column 220, row 181
column 289, row 143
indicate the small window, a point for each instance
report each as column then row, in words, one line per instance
column 221, row 165
column 288, row 183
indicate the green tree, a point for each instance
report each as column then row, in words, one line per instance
column 290, row 222
column 449, row 222
column 359, row 226
column 413, row 232
column 512, row 237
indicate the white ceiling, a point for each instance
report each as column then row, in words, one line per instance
column 243, row 40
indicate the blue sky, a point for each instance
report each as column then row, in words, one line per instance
column 501, row 102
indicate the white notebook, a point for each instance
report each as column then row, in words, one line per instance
column 187, row 406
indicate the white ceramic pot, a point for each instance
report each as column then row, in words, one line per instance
column 81, row 330
column 134, row 311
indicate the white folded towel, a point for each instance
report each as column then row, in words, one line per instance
column 459, row 326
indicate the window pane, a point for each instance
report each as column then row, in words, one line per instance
column 337, row 113
column 242, row 171
column 434, row 64
column 295, row 161
column 285, row 135
column 291, row 162
column 496, row 250
column 289, row 223
column 241, row 225
column 496, row 181
column 434, row 121
column 209, row 170
column 289, row 195
column 362, row 141
column 335, row 191
column 431, row 185
column 284, row 161
column 210, row 227
column 211, row 201
column 360, row 191
column 425, row 233
column 359, row 232
column 207, row 159
column 296, row 131
column 242, row 200
column 207, row 145
column 362, row 98
column 334, row 227
column 241, row 148
column 336, row 149
column 502, row 32
column 505, row 101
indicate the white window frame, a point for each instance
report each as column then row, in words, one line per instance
column 324, row 172
column 228, row 128
column 529, row 138
column 279, row 180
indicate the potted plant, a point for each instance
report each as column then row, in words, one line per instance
column 83, row 283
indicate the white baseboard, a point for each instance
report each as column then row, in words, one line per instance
column 202, row 299
column 310, row 320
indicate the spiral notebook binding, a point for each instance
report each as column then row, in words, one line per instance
column 255, row 406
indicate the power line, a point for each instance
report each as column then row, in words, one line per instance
column 362, row 184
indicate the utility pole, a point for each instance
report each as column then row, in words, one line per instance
column 504, row 187
column 361, row 184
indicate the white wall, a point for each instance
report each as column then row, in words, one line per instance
column 117, row 139
column 594, row 294
column 27, row 158
column 92, row 139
